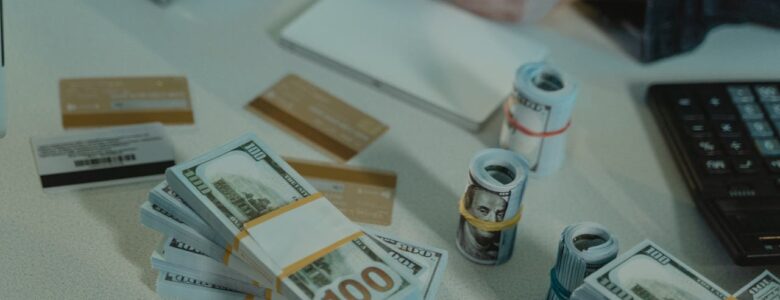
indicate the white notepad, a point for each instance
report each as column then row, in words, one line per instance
column 446, row 60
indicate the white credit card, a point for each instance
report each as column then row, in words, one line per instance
column 101, row 157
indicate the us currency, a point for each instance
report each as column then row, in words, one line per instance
column 176, row 286
column 583, row 249
column 215, row 276
column 157, row 218
column 537, row 116
column 187, row 247
column 432, row 261
column 491, row 206
column 764, row 287
column 168, row 224
column 176, row 252
column 165, row 198
column 244, row 180
column 648, row 272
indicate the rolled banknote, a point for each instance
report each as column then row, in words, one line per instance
column 284, row 228
column 583, row 249
column 764, row 287
column 491, row 206
column 648, row 272
column 177, row 286
column 538, row 115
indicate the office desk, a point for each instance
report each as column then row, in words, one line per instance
column 89, row 244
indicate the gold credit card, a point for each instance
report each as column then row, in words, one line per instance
column 363, row 195
column 95, row 102
column 312, row 114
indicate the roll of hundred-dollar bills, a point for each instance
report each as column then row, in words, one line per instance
column 538, row 115
column 583, row 249
column 492, row 206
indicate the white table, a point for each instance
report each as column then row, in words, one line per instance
column 90, row 244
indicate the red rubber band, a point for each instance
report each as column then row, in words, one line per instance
column 516, row 125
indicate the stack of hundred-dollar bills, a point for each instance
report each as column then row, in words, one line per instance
column 649, row 272
column 241, row 223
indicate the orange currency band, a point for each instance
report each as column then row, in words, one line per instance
column 282, row 210
column 486, row 225
column 295, row 267
column 520, row 127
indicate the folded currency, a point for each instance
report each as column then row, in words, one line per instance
column 186, row 247
column 583, row 249
column 217, row 276
column 176, row 286
column 432, row 261
column 648, row 272
column 169, row 225
column 165, row 198
column 284, row 228
column 764, row 287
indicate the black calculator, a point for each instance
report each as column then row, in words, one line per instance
column 726, row 140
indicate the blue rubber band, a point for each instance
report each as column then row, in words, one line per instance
column 556, row 286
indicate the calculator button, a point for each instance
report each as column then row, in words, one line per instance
column 737, row 190
column 719, row 109
column 740, row 94
column 773, row 109
column 688, row 110
column 707, row 147
column 746, row 165
column 697, row 128
column 727, row 129
column 737, row 146
column 768, row 146
column 768, row 93
column 774, row 165
column 716, row 166
column 759, row 129
column 750, row 111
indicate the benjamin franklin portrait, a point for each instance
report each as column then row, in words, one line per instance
column 484, row 205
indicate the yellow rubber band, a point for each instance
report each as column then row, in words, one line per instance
column 295, row 267
column 486, row 225
column 226, row 258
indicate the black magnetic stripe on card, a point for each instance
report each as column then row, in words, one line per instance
column 98, row 175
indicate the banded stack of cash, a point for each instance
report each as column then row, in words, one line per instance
column 211, row 250
column 648, row 272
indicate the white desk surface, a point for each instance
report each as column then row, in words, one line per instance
column 89, row 244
